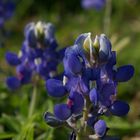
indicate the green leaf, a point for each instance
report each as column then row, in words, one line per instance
column 27, row 132
column 23, row 7
column 6, row 135
column 11, row 122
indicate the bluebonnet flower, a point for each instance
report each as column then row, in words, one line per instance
column 38, row 54
column 90, row 83
column 6, row 11
column 7, row 8
column 90, row 4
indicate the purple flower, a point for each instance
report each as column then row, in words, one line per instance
column 38, row 55
column 6, row 11
column 93, row 4
column 90, row 80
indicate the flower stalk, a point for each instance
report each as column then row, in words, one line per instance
column 87, row 103
column 33, row 101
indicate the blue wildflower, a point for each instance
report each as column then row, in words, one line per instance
column 38, row 54
column 90, row 81
column 93, row 4
column 6, row 11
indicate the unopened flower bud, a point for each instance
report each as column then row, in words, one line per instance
column 87, row 43
column 39, row 29
column 96, row 44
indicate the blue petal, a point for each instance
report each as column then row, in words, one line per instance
column 105, row 95
column 124, row 73
column 119, row 108
column 72, row 64
column 92, row 73
column 28, row 27
column 12, row 82
column 51, row 120
column 61, row 53
column 81, row 38
column 55, row 88
column 42, row 70
column 62, row 111
column 53, row 44
column 112, row 60
column 109, row 89
column 91, row 120
column 72, row 83
column 49, row 30
column 30, row 36
column 78, row 102
column 24, row 74
column 105, row 48
column 12, row 59
column 32, row 39
column 100, row 128
column 93, row 96
column 84, row 85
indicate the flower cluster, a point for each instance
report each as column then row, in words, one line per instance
column 7, row 8
column 90, row 4
column 90, row 81
column 6, row 11
column 38, row 55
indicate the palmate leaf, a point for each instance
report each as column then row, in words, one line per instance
column 52, row 120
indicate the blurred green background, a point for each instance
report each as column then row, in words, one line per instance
column 70, row 20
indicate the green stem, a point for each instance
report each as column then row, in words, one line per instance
column 86, row 112
column 84, row 132
column 33, row 101
column 107, row 17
